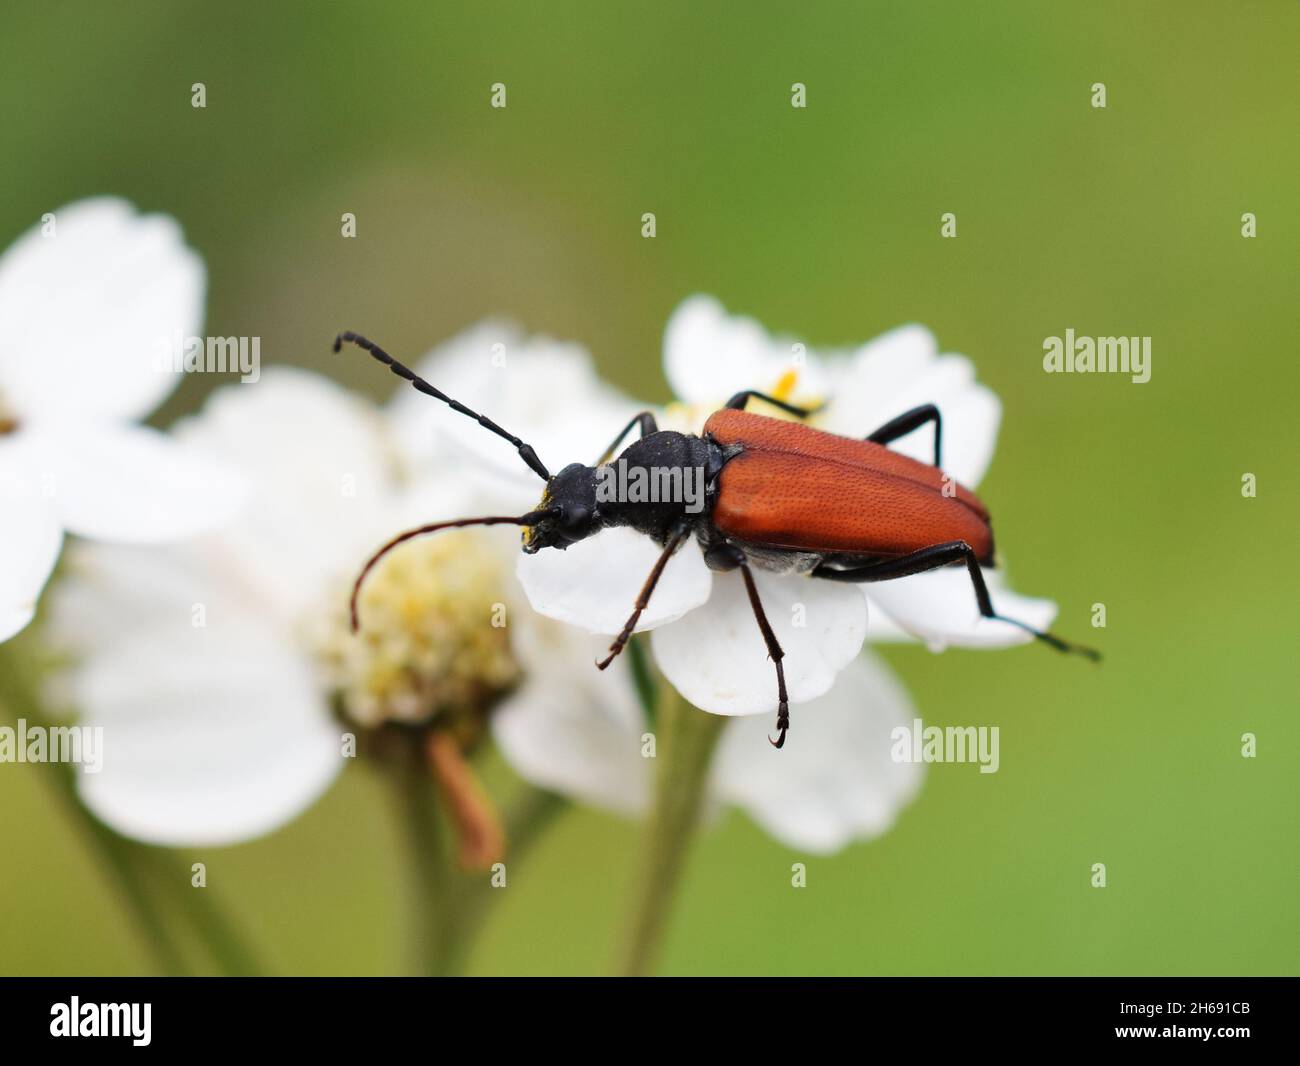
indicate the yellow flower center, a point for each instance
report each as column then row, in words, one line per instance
column 784, row 387
column 432, row 643
column 690, row 417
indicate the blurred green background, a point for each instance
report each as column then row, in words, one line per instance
column 822, row 222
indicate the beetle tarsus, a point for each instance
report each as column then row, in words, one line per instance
column 1052, row 640
column 782, row 726
column 1060, row 645
column 774, row 652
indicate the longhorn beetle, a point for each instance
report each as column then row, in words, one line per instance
column 779, row 495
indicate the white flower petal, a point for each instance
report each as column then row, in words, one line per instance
column 131, row 483
column 902, row 370
column 710, row 355
column 881, row 629
column 30, row 539
column 834, row 781
column 716, row 658
column 529, row 385
column 13, row 620
column 891, row 362
column 301, row 432
column 211, row 736
column 571, row 727
column 594, row 584
column 939, row 608
column 108, row 584
column 85, row 313
column 574, row 744
column 321, row 479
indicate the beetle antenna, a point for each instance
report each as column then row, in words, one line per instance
column 526, row 452
column 531, row 518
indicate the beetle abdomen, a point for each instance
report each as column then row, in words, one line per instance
column 799, row 488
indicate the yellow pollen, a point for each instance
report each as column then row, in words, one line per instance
column 784, row 387
column 428, row 647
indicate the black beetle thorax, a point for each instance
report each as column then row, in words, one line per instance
column 657, row 483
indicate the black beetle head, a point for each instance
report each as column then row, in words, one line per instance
column 568, row 510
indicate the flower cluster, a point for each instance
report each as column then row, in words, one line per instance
column 222, row 666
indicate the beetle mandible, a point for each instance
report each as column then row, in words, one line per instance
column 778, row 495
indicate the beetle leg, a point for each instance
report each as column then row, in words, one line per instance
column 908, row 421
column 774, row 652
column 932, row 558
column 643, row 599
column 646, row 420
column 737, row 403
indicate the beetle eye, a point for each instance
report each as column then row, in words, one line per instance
column 576, row 518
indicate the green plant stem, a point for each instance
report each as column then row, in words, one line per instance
column 526, row 822
column 448, row 906
column 17, row 698
column 120, row 856
column 685, row 742
column 428, row 863
column 215, row 929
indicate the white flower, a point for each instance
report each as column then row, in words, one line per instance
column 86, row 300
column 216, row 667
column 837, row 785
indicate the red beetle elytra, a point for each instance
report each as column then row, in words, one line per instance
column 778, row 495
